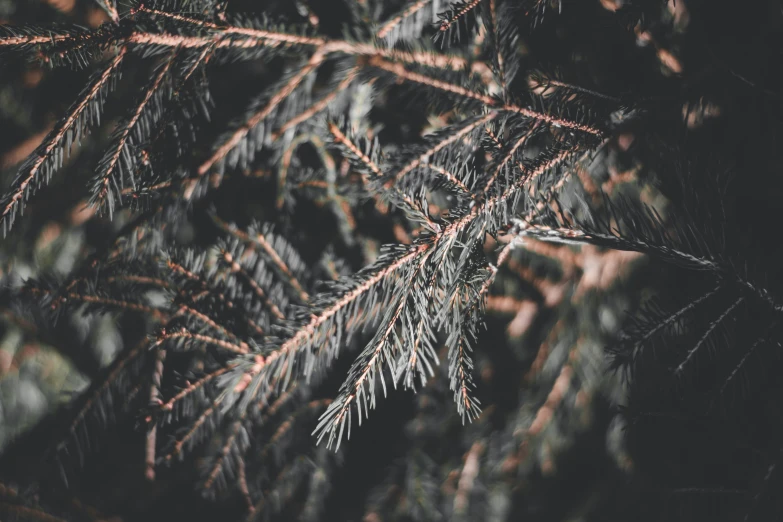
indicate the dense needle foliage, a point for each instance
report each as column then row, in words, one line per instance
column 524, row 245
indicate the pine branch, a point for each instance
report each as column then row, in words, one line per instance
column 683, row 245
column 320, row 105
column 100, row 400
column 257, row 290
column 740, row 366
column 264, row 38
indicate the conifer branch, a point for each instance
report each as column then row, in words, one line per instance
column 270, row 36
column 237, row 268
column 107, row 386
column 195, row 429
column 399, row 71
column 220, row 153
column 395, row 22
column 461, row 382
column 396, row 195
column 49, row 156
column 379, row 232
column 715, row 324
column 118, row 304
column 333, row 421
column 118, row 159
column 204, row 319
column 190, row 336
column 752, row 350
column 449, row 20
column 195, row 387
column 510, row 154
column 208, row 290
column 441, row 144
column 319, row 106
column 236, row 429
column 452, row 180
column 498, row 58
column 260, row 240
column 362, row 373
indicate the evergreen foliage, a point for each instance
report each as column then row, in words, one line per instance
column 255, row 227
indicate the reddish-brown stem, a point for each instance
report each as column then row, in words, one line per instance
column 152, row 432
column 401, row 72
column 117, row 303
column 194, row 387
column 144, row 280
column 196, row 425
column 446, row 24
column 209, row 322
column 341, row 138
column 389, row 26
column 33, row 40
column 452, row 179
column 259, row 38
column 242, row 483
column 254, row 33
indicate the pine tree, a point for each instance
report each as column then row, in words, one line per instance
column 498, row 233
